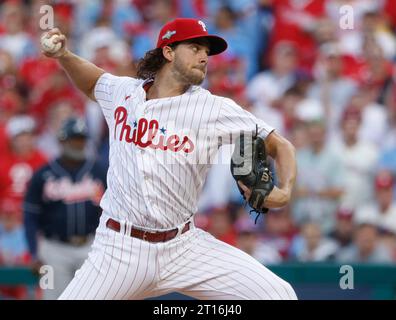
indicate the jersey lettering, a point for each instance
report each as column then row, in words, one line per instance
column 145, row 134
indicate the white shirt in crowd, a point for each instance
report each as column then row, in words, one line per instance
column 371, row 214
column 359, row 163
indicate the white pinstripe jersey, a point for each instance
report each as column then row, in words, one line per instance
column 161, row 149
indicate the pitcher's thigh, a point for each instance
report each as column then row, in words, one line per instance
column 115, row 270
column 222, row 271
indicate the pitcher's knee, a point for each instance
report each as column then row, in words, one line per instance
column 277, row 290
column 291, row 294
column 284, row 291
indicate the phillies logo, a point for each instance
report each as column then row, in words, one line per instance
column 145, row 133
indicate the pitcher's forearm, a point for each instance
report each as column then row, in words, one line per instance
column 284, row 154
column 286, row 168
column 83, row 73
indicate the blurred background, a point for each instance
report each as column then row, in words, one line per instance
column 330, row 91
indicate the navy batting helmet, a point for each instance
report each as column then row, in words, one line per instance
column 73, row 128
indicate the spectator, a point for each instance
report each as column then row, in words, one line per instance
column 374, row 125
column 311, row 246
column 388, row 240
column 390, row 138
column 325, row 31
column 157, row 13
column 11, row 103
column 387, row 160
column 331, row 88
column 64, row 17
column 268, row 86
column 239, row 43
column 309, row 110
column 193, row 8
column 299, row 136
column 389, row 14
column 320, row 183
column 8, row 79
column 56, row 89
column 371, row 26
column 377, row 72
column 15, row 40
column 383, row 211
column 387, row 154
column 47, row 141
column 296, row 21
column 263, row 23
column 288, row 105
column 13, row 246
column 226, row 77
column 102, row 46
column 359, row 159
column 279, row 231
column 221, row 225
column 343, row 232
column 36, row 73
column 120, row 13
column 248, row 240
column 17, row 166
column 365, row 248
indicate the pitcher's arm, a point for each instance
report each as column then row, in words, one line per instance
column 83, row 73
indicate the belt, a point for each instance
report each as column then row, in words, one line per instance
column 156, row 236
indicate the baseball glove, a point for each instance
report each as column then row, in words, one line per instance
column 249, row 165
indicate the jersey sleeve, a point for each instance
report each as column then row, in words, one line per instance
column 233, row 119
column 33, row 198
column 107, row 90
column 104, row 92
column 32, row 207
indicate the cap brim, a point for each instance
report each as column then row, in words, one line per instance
column 216, row 44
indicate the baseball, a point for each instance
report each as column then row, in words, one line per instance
column 48, row 44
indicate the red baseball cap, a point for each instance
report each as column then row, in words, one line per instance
column 182, row 29
column 384, row 180
column 344, row 213
column 352, row 113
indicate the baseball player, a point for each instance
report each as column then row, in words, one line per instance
column 62, row 206
column 164, row 129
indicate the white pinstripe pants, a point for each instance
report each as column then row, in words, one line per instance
column 194, row 263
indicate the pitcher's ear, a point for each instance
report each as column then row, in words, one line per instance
column 168, row 53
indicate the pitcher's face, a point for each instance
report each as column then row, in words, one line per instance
column 190, row 63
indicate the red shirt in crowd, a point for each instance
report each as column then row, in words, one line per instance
column 290, row 17
column 16, row 172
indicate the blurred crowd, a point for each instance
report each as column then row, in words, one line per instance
column 330, row 91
